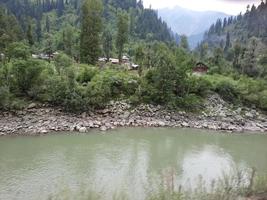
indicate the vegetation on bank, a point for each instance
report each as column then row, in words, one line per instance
column 164, row 76
column 240, row 184
column 77, row 87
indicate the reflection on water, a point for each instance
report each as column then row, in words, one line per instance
column 127, row 161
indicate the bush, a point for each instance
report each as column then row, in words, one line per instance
column 227, row 91
column 110, row 84
column 24, row 75
column 86, row 73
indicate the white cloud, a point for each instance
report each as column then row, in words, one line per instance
column 229, row 7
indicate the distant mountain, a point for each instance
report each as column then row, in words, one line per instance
column 188, row 22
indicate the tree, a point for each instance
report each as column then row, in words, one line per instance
column 184, row 43
column 39, row 30
column 122, row 33
column 227, row 43
column 107, row 43
column 29, row 35
column 47, row 24
column 90, row 31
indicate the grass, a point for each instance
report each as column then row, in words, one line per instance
column 239, row 184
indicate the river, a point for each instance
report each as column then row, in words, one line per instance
column 128, row 161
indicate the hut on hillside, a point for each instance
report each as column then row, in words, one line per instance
column 200, row 69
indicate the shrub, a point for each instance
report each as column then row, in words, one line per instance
column 86, row 73
column 110, row 84
column 227, row 91
column 25, row 74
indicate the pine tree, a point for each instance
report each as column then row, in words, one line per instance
column 90, row 31
column 47, row 24
column 227, row 43
column 107, row 43
column 184, row 43
column 122, row 33
column 29, row 35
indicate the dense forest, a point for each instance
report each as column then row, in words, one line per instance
column 51, row 25
column 241, row 40
column 72, row 36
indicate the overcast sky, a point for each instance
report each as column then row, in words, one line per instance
column 228, row 6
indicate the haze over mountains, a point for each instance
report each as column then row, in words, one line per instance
column 189, row 22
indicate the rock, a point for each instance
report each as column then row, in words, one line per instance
column 82, row 130
column 84, row 115
column 126, row 115
column 43, row 131
column 31, row 106
column 161, row 123
column 168, row 118
column 103, row 128
column 249, row 115
column 185, row 124
column 2, row 134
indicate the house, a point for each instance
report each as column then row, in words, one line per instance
column 102, row 60
column 2, row 56
column 200, row 69
column 114, row 61
column 134, row 66
column 125, row 59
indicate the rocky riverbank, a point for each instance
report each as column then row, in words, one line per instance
column 218, row 115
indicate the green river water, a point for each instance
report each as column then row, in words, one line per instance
column 129, row 162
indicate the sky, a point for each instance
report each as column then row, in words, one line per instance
column 232, row 7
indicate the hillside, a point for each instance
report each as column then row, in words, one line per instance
column 53, row 20
column 189, row 22
column 242, row 40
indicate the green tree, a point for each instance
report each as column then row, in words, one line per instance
column 29, row 35
column 90, row 31
column 107, row 43
column 184, row 43
column 122, row 32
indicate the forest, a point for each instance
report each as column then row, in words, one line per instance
column 72, row 35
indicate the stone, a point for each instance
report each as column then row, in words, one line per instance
column 185, row 124
column 82, row 130
column 249, row 115
column 43, row 131
column 161, row 123
column 31, row 106
column 103, row 128
column 168, row 118
column 126, row 115
column 2, row 134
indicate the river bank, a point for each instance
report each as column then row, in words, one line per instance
column 218, row 115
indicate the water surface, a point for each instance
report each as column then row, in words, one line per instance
column 130, row 161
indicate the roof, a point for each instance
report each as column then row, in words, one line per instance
column 201, row 63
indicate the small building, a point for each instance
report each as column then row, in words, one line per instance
column 134, row 66
column 114, row 61
column 200, row 68
column 125, row 59
column 102, row 59
column 2, row 56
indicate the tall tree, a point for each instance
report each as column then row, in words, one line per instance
column 184, row 43
column 227, row 43
column 90, row 31
column 107, row 43
column 122, row 33
column 29, row 34
column 47, row 24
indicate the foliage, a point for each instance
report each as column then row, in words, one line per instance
column 90, row 31
column 122, row 33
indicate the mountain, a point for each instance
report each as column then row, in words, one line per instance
column 189, row 22
column 241, row 40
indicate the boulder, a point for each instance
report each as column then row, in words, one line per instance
column 82, row 130
column 31, row 106
column 103, row 128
